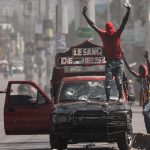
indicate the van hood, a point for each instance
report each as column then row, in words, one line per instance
column 91, row 105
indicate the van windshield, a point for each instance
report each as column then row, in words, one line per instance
column 86, row 90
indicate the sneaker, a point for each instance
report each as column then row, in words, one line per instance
column 120, row 100
column 121, row 97
column 106, row 104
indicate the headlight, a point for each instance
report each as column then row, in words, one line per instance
column 59, row 118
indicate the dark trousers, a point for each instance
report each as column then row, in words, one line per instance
column 114, row 68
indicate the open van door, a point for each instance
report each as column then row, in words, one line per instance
column 27, row 109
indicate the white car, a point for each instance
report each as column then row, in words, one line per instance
column 17, row 68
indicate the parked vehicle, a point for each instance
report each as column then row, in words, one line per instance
column 4, row 68
column 77, row 110
column 146, row 114
column 17, row 66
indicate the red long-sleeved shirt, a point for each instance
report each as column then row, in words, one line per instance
column 112, row 44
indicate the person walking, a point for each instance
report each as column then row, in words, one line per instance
column 112, row 51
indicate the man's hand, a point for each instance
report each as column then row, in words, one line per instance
column 84, row 10
column 127, row 5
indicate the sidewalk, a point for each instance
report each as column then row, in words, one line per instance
column 136, row 108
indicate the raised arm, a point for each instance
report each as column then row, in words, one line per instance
column 91, row 23
column 137, row 75
column 125, row 19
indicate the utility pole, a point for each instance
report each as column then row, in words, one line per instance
column 48, row 38
column 61, row 25
column 28, row 45
column 147, row 29
column 84, row 31
column 108, row 10
column 39, row 45
column 47, row 5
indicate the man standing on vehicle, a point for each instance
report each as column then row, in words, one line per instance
column 112, row 51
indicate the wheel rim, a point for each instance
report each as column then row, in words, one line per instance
column 129, row 139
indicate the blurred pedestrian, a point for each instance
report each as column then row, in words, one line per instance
column 142, row 78
column 148, row 66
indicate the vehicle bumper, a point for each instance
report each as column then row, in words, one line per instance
column 95, row 126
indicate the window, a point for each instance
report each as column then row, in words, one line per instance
column 86, row 90
column 22, row 94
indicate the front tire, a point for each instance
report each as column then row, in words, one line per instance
column 125, row 141
column 57, row 142
column 147, row 121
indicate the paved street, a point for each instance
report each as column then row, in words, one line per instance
column 32, row 32
column 41, row 142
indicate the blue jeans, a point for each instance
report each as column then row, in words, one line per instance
column 114, row 68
